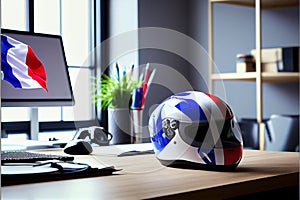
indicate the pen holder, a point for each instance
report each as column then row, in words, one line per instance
column 137, row 125
column 119, row 125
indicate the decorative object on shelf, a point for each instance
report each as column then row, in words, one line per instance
column 245, row 63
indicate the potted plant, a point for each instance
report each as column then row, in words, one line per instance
column 115, row 95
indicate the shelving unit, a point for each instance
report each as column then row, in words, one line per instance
column 258, row 77
column 265, row 4
column 251, row 76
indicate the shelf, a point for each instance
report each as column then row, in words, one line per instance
column 266, row 4
column 266, row 76
column 257, row 77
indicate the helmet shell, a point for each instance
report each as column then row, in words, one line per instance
column 197, row 129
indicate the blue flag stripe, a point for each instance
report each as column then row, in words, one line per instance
column 5, row 67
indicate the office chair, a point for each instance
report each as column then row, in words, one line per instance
column 282, row 133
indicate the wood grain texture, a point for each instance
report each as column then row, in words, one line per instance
column 143, row 177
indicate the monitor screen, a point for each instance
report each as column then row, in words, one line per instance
column 50, row 51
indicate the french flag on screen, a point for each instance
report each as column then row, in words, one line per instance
column 20, row 66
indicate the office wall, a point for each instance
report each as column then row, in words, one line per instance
column 234, row 33
column 170, row 68
column 172, row 51
column 123, row 39
column 167, row 14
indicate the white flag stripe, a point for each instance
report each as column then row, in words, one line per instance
column 16, row 58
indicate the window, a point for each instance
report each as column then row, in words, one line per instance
column 18, row 19
column 74, row 21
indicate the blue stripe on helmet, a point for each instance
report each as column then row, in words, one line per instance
column 207, row 152
column 159, row 139
column 182, row 94
column 192, row 109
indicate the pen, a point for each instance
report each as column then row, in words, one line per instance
column 118, row 72
column 146, row 75
column 124, row 72
column 137, row 98
column 141, row 78
column 135, row 152
column 131, row 72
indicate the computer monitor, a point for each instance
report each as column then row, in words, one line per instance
column 49, row 49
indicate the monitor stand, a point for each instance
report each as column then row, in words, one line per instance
column 34, row 123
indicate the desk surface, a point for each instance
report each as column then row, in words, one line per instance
column 144, row 177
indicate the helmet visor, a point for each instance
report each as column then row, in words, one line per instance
column 202, row 134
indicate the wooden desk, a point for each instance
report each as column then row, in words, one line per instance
column 144, row 177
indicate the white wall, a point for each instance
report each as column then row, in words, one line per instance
column 123, row 40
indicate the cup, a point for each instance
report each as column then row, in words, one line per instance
column 137, row 122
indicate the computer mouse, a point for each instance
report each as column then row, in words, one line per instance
column 78, row 147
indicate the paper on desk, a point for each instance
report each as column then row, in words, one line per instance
column 118, row 149
column 13, row 170
column 15, row 145
column 136, row 147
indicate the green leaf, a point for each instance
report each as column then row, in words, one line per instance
column 113, row 93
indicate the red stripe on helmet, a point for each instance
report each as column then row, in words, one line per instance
column 222, row 106
column 232, row 155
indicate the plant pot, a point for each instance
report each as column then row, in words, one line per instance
column 119, row 125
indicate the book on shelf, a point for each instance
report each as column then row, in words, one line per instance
column 242, row 67
column 270, row 67
column 285, row 59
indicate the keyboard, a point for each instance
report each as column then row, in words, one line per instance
column 30, row 157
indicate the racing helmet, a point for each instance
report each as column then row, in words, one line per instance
column 196, row 129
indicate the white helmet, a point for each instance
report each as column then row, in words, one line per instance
column 196, row 129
